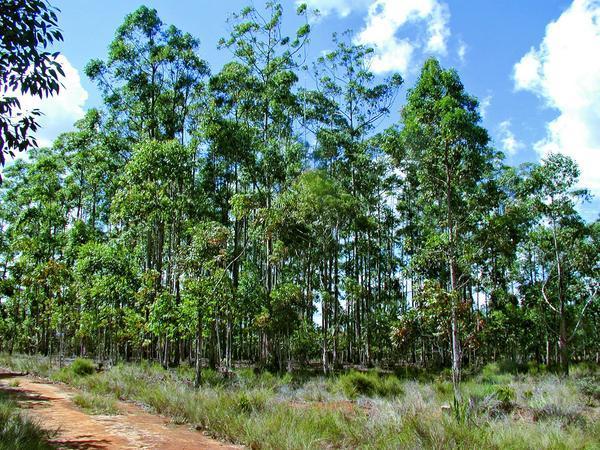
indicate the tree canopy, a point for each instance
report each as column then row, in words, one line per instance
column 246, row 216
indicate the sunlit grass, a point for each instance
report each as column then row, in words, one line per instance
column 17, row 432
column 364, row 409
column 96, row 404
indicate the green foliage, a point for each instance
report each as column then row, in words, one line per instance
column 96, row 404
column 18, row 432
column 27, row 67
column 82, row 367
column 210, row 223
column 252, row 402
column 460, row 410
column 369, row 384
column 505, row 394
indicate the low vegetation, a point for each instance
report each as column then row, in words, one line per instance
column 96, row 404
column 18, row 432
column 499, row 407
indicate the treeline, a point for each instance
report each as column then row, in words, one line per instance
column 251, row 216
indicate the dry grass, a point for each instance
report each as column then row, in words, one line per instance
column 499, row 410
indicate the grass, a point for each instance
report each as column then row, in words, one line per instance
column 497, row 409
column 369, row 384
column 18, row 432
column 96, row 404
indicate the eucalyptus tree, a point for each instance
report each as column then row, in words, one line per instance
column 453, row 166
column 314, row 210
column 568, row 254
column 204, row 261
column 264, row 65
column 94, row 158
column 152, row 78
column 343, row 110
column 155, row 200
column 36, row 200
column 106, row 279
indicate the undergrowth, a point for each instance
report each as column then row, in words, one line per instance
column 18, row 432
column 495, row 408
column 96, row 404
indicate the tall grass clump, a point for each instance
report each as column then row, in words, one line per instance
column 96, row 404
column 82, row 367
column 18, row 432
column 369, row 384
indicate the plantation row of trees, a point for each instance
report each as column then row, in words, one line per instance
column 241, row 216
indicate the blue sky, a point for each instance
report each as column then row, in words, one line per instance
column 533, row 64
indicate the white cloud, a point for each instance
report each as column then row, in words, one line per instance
column 510, row 144
column 59, row 111
column 385, row 19
column 462, row 51
column 484, row 105
column 564, row 71
column 341, row 7
column 383, row 23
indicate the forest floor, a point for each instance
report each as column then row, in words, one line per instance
column 51, row 406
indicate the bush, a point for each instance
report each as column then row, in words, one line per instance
column 590, row 387
column 254, row 401
column 83, row 367
column 505, row 394
column 495, row 373
column 369, row 384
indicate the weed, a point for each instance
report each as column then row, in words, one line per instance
column 96, row 404
column 18, row 432
column 505, row 394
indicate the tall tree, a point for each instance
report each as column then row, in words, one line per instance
column 453, row 164
column 151, row 79
column 569, row 254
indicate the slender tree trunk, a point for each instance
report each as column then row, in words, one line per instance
column 198, row 377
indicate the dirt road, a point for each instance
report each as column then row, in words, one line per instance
column 51, row 406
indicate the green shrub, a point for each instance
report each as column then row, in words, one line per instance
column 443, row 387
column 369, row 384
column 505, row 394
column 590, row 387
column 82, row 367
column 211, row 377
column 495, row 373
column 533, row 368
column 254, row 401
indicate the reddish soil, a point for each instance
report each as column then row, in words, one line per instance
column 51, row 406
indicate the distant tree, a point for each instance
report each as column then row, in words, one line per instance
column 569, row 260
column 26, row 67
